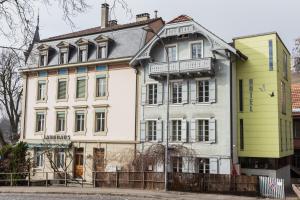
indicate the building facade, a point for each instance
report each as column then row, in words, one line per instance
column 80, row 98
column 264, row 108
column 201, row 95
column 296, row 128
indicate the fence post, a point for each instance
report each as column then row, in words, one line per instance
column 117, row 179
column 11, row 179
column 66, row 179
column 46, row 179
column 143, row 183
column 28, row 179
column 94, row 179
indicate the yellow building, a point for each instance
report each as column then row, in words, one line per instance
column 265, row 141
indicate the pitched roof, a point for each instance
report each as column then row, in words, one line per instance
column 296, row 96
column 180, row 18
column 99, row 30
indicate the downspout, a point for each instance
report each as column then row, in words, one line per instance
column 231, row 114
column 24, row 107
column 136, row 110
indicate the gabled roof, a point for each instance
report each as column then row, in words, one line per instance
column 181, row 18
column 98, row 29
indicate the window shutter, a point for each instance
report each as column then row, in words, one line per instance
column 144, row 94
column 184, row 131
column 213, row 165
column 185, row 164
column 212, row 90
column 185, row 92
column 193, row 131
column 159, row 130
column 143, row 131
column 193, row 87
column 212, row 130
column 159, row 93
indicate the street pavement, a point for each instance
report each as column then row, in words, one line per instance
column 76, row 193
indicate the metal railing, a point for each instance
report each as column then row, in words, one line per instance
column 204, row 64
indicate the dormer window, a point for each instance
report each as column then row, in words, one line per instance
column 83, row 49
column 43, row 57
column 64, row 49
column 102, row 46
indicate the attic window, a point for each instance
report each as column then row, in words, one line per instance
column 82, row 55
column 102, row 50
column 43, row 60
column 83, row 47
column 43, row 56
column 64, row 49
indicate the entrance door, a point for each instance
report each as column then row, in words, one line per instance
column 78, row 168
column 98, row 159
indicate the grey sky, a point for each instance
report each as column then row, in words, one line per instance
column 226, row 18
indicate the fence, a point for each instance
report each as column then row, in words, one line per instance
column 190, row 182
column 271, row 187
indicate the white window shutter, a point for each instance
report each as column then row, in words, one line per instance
column 159, row 93
column 213, row 166
column 193, row 131
column 192, row 165
column 185, row 164
column 212, row 90
column 144, row 94
column 185, row 92
column 193, row 87
column 212, row 130
column 184, row 131
column 159, row 130
column 143, row 131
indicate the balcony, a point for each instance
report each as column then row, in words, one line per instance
column 182, row 68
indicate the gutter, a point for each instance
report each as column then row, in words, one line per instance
column 117, row 60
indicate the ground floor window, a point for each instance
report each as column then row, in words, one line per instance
column 60, row 158
column 39, row 158
column 177, row 164
column 203, row 165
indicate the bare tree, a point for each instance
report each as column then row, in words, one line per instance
column 2, row 141
column 11, row 88
column 296, row 56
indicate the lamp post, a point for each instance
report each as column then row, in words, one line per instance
column 148, row 29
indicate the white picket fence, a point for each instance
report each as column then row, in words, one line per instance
column 271, row 187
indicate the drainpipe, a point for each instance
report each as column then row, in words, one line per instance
column 231, row 114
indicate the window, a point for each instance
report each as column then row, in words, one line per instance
column 203, row 165
column 62, row 89
column 172, row 52
column 177, row 92
column 82, row 55
column 203, row 130
column 177, row 164
column 40, row 122
column 41, row 96
column 241, row 96
column 60, row 121
column 286, row 135
column 60, row 159
column 151, row 130
column 102, row 51
column 176, row 130
column 241, row 134
column 203, row 91
column 39, row 158
column 63, row 58
column 285, row 65
column 281, row 135
column 43, row 60
column 101, row 86
column 270, row 55
column 81, row 87
column 283, row 98
column 100, row 121
column 197, row 50
column 152, row 94
column 79, row 121
column 296, row 126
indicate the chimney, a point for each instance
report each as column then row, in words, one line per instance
column 104, row 15
column 142, row 17
column 155, row 14
column 113, row 22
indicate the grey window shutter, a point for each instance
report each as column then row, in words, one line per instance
column 144, row 94
column 143, row 131
column 184, row 131
column 185, row 164
column 212, row 130
column 213, row 166
column 212, row 90
column 185, row 92
column 193, row 131
column 193, row 87
column 159, row 130
column 159, row 93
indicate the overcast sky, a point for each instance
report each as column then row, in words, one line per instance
column 226, row 18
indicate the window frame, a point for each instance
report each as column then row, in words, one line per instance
column 285, row 65
column 175, row 45
column 45, row 79
column 106, row 74
column 59, row 78
column 42, row 158
column 191, row 48
column 197, row 91
column 179, row 164
column 65, row 120
column 154, row 131
column 177, row 96
column 77, row 77
column 204, row 165
column 100, row 109
column 82, row 110
column 44, row 112
column 197, row 130
column 58, row 156
column 177, row 130
column 148, row 94
column 100, row 45
column 283, row 97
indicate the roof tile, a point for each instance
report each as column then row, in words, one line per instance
column 181, row 18
column 296, row 96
